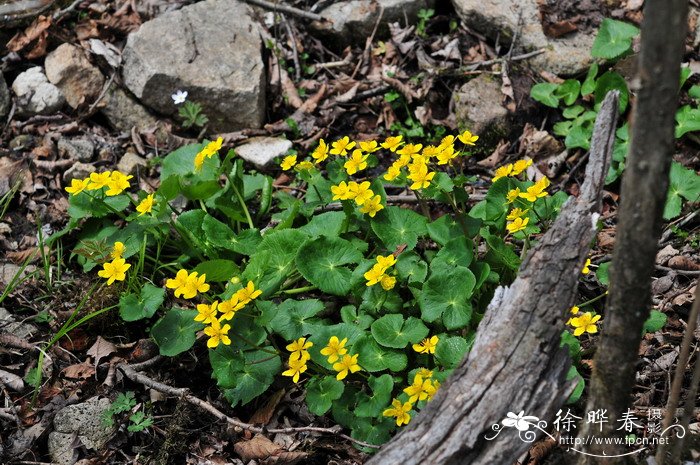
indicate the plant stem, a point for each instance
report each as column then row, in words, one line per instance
column 300, row 290
column 245, row 208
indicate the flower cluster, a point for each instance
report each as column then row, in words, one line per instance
column 517, row 217
column 378, row 272
column 423, row 388
column 116, row 182
column 297, row 359
column 115, row 270
column 187, row 285
column 362, row 195
column 209, row 150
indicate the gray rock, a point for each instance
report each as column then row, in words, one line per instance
column 79, row 148
column 211, row 49
column 35, row 94
column 5, row 101
column 9, row 324
column 83, row 421
column 262, row 150
column 69, row 69
column 354, row 20
column 78, row 171
column 566, row 55
column 129, row 162
column 124, row 112
column 478, row 106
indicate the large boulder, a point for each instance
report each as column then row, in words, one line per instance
column 124, row 112
column 478, row 108
column 567, row 55
column 83, row 422
column 69, row 69
column 211, row 49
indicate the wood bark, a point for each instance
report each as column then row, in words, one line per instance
column 644, row 188
column 516, row 362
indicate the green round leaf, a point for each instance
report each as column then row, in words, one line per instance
column 296, row 318
column 321, row 262
column 273, row 260
column 372, row 406
column 411, row 268
column 397, row 226
column 218, row 271
column 457, row 252
column 447, row 294
column 612, row 81
column 392, row 331
column 614, row 39
column 175, row 332
column 568, row 91
column 132, row 308
column 544, row 93
column 451, row 350
column 373, row 357
column 244, row 375
column 321, row 392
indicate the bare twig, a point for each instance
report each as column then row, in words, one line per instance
column 295, row 51
column 683, row 272
column 281, row 7
column 368, row 43
column 138, row 377
column 61, row 13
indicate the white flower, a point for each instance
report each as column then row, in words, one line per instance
column 520, row 421
column 179, row 97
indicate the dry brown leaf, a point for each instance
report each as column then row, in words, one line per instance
column 258, row 448
column 101, row 349
column 79, row 371
column 681, row 262
column 12, row 381
column 496, row 156
column 559, row 28
column 665, row 254
column 263, row 415
column 540, row 450
column 34, row 32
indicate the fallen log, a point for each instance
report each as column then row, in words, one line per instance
column 516, row 363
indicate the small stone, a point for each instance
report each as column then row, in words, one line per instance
column 478, row 106
column 9, row 324
column 35, row 94
column 260, row 151
column 129, row 162
column 69, row 69
column 23, row 143
column 83, row 420
column 663, row 284
column 665, row 254
column 79, row 148
column 354, row 20
column 78, row 171
column 124, row 112
column 5, row 101
column 222, row 71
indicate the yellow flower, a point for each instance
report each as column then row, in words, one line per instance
column 117, row 250
column 392, row 143
column 288, row 162
column 372, row 206
column 369, row 146
column 420, row 389
column 114, row 270
column 430, row 151
column 575, row 310
column 425, row 373
column 512, row 195
column 77, row 186
column 335, row 349
column 386, row 262
column 402, row 161
column 392, row 172
column 304, row 165
column 421, row 178
column 206, row 313
column 446, row 141
column 228, row 308
column 348, row 364
column 187, row 285
column 388, row 282
column 296, row 367
column 146, row 205
column 520, row 166
column 374, row 275
column 248, row 293
column 503, row 171
column 399, row 411
column 298, row 347
column 536, row 191
column 320, row 153
column 447, row 155
column 217, row 334
column 341, row 191
column 467, row 138
column 199, row 160
column 517, row 225
column 586, row 268
column 427, row 345
column 214, row 146
column 360, row 192
column 356, row 162
column 516, row 213
column 99, row 180
column 585, row 323
column 118, row 182
column 410, row 150
column 341, row 146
